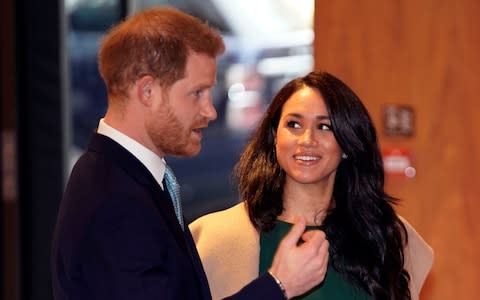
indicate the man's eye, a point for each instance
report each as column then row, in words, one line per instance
column 293, row 124
column 198, row 93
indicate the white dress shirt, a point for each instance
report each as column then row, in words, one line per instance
column 154, row 163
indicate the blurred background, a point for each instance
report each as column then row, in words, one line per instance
column 413, row 63
column 267, row 43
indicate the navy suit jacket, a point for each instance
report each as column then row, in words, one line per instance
column 117, row 236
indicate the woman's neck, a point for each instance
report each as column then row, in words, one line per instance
column 310, row 201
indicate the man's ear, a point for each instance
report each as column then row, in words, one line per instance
column 144, row 89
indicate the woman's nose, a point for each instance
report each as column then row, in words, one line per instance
column 307, row 137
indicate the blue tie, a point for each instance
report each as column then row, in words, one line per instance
column 174, row 190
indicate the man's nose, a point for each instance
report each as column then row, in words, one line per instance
column 209, row 110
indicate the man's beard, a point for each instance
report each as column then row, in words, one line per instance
column 170, row 136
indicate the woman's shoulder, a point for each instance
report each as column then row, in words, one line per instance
column 228, row 246
column 417, row 245
column 234, row 213
column 419, row 257
column 231, row 221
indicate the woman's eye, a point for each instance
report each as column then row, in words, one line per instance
column 325, row 127
column 293, row 124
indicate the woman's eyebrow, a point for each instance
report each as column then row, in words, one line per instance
column 323, row 117
column 319, row 117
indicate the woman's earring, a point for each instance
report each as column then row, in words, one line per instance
column 344, row 156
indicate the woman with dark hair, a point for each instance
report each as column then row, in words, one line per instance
column 316, row 154
column 120, row 230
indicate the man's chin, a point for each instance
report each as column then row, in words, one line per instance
column 193, row 153
column 190, row 151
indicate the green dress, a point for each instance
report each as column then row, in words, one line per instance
column 333, row 287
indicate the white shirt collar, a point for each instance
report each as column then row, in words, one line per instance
column 154, row 163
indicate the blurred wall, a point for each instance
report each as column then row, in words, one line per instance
column 423, row 54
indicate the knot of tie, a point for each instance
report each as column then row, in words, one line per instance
column 174, row 190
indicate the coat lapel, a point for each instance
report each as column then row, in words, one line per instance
column 160, row 198
column 132, row 166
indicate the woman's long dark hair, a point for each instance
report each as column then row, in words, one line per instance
column 365, row 234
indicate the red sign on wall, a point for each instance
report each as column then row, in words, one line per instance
column 398, row 161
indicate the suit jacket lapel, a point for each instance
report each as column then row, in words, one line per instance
column 197, row 264
column 161, row 199
column 165, row 206
column 127, row 161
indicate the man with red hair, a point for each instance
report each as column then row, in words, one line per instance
column 120, row 232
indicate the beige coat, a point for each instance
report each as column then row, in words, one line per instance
column 228, row 245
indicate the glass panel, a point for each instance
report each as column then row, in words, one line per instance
column 268, row 43
column 88, row 20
